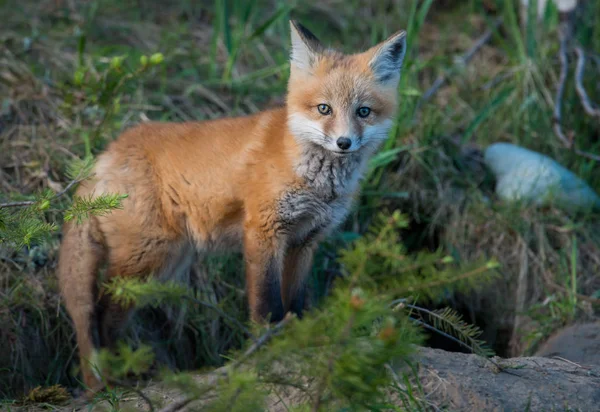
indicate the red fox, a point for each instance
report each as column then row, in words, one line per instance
column 272, row 184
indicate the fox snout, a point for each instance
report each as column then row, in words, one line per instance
column 344, row 143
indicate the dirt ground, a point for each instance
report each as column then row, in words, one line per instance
column 564, row 376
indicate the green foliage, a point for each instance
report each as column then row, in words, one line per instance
column 125, row 360
column 154, row 293
column 86, row 71
column 240, row 392
column 448, row 321
column 343, row 347
column 134, row 291
column 104, row 87
column 80, row 169
column 27, row 224
column 24, row 228
column 556, row 311
column 111, row 397
column 84, row 207
column 380, row 259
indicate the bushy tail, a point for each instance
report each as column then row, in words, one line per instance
column 79, row 259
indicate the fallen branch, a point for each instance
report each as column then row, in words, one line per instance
column 588, row 106
column 588, row 155
column 564, row 34
column 137, row 391
column 461, row 61
column 262, row 340
column 227, row 369
column 224, row 315
column 32, row 202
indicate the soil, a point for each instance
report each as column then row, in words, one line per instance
column 458, row 382
column 565, row 375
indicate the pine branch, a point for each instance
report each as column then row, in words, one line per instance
column 85, row 207
column 80, row 169
column 444, row 282
column 33, row 202
column 442, row 333
column 27, row 230
column 224, row 315
column 226, row 370
column 137, row 292
column 448, row 321
column 342, row 341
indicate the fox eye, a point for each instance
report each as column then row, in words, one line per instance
column 363, row 112
column 324, row 109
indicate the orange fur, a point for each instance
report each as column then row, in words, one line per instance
column 260, row 183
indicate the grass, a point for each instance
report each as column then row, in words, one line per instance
column 60, row 100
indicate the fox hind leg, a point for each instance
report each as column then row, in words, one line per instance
column 112, row 319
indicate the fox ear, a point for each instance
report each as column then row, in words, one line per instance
column 305, row 46
column 387, row 57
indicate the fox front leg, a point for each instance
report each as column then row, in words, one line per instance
column 297, row 264
column 264, row 263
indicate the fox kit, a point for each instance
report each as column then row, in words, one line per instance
column 271, row 184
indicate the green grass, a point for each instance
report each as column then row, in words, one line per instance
column 60, row 100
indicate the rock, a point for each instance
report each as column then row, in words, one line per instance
column 450, row 381
column 525, row 175
column 462, row 382
column 563, row 6
column 578, row 343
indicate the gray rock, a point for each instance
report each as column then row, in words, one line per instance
column 578, row 343
column 525, row 175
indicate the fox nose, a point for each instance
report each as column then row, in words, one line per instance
column 344, row 143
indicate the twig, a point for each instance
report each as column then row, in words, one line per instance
column 462, row 60
column 222, row 314
column 588, row 155
column 564, row 34
column 138, row 392
column 259, row 343
column 31, row 202
column 588, row 106
column 498, row 79
column 178, row 405
column 552, row 284
column 461, row 343
column 330, row 364
column 442, row 282
column 227, row 369
column 571, row 362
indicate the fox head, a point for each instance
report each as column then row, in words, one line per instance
column 342, row 102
